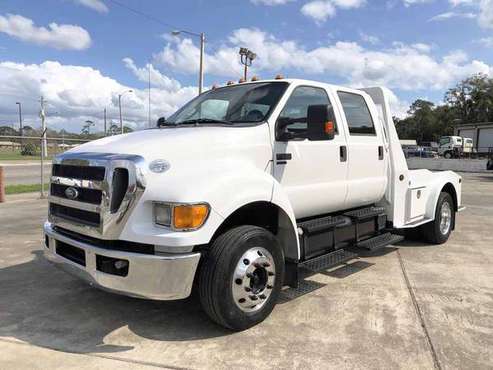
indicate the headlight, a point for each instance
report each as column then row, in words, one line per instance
column 183, row 217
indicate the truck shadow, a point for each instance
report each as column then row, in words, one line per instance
column 46, row 307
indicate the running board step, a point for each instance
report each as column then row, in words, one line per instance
column 364, row 213
column 379, row 241
column 328, row 260
column 321, row 224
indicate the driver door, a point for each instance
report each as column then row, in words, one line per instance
column 312, row 173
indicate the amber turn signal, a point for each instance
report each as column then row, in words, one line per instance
column 329, row 127
column 190, row 216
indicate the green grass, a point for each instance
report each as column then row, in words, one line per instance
column 23, row 188
column 15, row 156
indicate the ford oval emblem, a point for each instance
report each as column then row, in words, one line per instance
column 159, row 166
column 71, row 193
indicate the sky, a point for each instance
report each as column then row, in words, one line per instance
column 80, row 54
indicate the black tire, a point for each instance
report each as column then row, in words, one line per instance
column 431, row 231
column 448, row 155
column 217, row 271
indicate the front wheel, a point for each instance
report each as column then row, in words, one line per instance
column 448, row 155
column 241, row 277
column 438, row 231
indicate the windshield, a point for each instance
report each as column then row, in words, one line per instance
column 249, row 103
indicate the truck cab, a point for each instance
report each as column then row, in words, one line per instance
column 450, row 146
column 238, row 192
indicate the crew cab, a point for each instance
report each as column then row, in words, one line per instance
column 239, row 192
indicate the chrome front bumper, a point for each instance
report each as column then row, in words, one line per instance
column 160, row 277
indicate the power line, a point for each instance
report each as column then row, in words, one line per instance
column 148, row 16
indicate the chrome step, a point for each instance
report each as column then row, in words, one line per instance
column 364, row 213
column 379, row 241
column 328, row 260
column 321, row 224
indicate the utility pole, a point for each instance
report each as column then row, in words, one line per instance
column 42, row 114
column 149, row 94
column 44, row 148
column 201, row 67
column 20, row 122
column 104, row 113
column 246, row 57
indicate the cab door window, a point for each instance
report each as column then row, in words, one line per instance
column 358, row 115
column 294, row 115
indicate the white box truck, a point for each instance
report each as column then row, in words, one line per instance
column 237, row 192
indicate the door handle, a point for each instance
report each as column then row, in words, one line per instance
column 380, row 153
column 343, row 153
column 282, row 158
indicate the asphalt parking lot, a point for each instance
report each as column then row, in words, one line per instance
column 410, row 306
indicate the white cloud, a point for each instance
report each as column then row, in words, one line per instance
column 156, row 77
column 270, row 2
column 76, row 93
column 422, row 47
column 398, row 107
column 485, row 19
column 370, row 39
column 320, row 10
column 486, row 42
column 407, row 67
column 58, row 36
column 414, row 2
column 462, row 2
column 96, row 5
column 448, row 15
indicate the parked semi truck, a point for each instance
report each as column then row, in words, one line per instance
column 238, row 192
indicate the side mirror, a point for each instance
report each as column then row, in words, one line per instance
column 320, row 122
column 281, row 133
column 161, row 122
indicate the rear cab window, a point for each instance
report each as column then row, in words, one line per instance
column 358, row 116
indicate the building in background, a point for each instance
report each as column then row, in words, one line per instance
column 480, row 133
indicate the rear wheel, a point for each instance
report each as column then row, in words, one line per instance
column 438, row 231
column 241, row 277
column 448, row 155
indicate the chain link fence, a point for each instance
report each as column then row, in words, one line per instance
column 31, row 147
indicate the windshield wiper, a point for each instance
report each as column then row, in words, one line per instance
column 204, row 120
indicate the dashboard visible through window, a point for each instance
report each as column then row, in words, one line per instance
column 295, row 112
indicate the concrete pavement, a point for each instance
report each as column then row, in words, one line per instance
column 418, row 306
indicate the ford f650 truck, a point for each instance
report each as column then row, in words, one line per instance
column 238, row 192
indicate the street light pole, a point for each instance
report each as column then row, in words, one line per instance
column 120, row 108
column 20, row 121
column 201, row 36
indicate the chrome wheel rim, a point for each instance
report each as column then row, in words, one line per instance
column 253, row 279
column 445, row 218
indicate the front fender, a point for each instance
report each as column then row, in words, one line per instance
column 225, row 188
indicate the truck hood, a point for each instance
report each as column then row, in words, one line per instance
column 187, row 143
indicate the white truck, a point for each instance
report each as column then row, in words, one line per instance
column 239, row 191
column 454, row 146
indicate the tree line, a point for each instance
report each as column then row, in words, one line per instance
column 470, row 101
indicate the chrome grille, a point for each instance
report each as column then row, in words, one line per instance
column 102, row 191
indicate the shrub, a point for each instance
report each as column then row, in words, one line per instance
column 28, row 149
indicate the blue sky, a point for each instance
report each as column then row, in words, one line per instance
column 98, row 48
